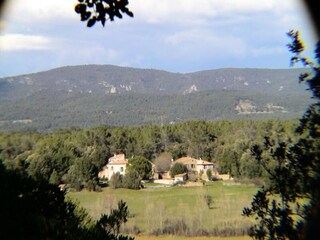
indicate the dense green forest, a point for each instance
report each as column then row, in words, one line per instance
column 75, row 156
column 52, row 111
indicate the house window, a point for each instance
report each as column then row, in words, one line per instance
column 192, row 165
column 121, row 169
column 111, row 168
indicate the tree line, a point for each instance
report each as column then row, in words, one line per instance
column 75, row 156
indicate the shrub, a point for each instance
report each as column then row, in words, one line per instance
column 132, row 230
column 209, row 201
column 193, row 176
column 116, row 181
column 178, row 168
column 177, row 228
column 209, row 174
column 141, row 165
column 132, row 180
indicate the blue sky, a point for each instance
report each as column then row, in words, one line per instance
column 172, row 35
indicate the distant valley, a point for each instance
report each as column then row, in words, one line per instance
column 92, row 95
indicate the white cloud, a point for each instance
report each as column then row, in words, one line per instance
column 187, row 11
column 39, row 11
column 47, row 9
column 174, row 34
column 182, row 12
column 20, row 42
column 78, row 52
column 198, row 42
column 155, row 10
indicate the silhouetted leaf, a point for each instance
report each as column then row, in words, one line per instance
column 118, row 14
column 317, row 53
column 101, row 8
column 85, row 16
column 80, row 8
column 129, row 13
column 303, row 76
column 91, row 21
column 103, row 21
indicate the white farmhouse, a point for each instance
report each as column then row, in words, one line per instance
column 198, row 165
column 117, row 163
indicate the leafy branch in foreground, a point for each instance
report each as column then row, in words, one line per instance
column 93, row 11
column 112, row 222
column 33, row 209
column 289, row 207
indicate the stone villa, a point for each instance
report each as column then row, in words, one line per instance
column 117, row 163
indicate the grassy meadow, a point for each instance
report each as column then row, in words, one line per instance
column 191, row 238
column 185, row 209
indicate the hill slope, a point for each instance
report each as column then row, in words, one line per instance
column 86, row 96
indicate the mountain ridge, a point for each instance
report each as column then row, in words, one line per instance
column 125, row 79
column 108, row 94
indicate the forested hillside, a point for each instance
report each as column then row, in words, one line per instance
column 89, row 96
column 75, row 156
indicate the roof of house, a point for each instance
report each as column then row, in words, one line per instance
column 190, row 160
column 203, row 162
column 117, row 157
column 187, row 160
column 121, row 162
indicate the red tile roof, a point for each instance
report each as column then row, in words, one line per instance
column 118, row 157
column 122, row 162
column 190, row 160
column 187, row 160
column 203, row 162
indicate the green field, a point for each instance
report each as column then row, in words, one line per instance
column 154, row 209
column 190, row 238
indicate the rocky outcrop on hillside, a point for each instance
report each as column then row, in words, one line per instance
column 191, row 89
column 249, row 107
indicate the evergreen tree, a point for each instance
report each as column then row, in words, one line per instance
column 294, row 170
column 116, row 181
column 178, row 168
column 140, row 165
column 33, row 209
column 132, row 180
